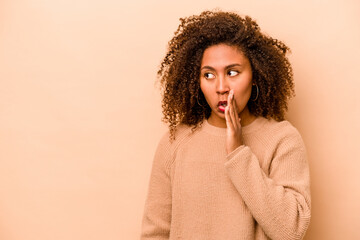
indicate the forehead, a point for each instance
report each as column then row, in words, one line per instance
column 223, row 55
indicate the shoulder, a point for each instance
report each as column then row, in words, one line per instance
column 182, row 133
column 283, row 132
column 281, row 128
column 168, row 146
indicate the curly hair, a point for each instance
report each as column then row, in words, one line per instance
column 182, row 99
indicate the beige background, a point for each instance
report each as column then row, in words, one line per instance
column 80, row 114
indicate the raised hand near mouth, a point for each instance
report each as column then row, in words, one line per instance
column 233, row 126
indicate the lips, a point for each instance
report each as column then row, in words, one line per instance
column 222, row 105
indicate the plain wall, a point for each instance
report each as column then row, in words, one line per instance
column 80, row 114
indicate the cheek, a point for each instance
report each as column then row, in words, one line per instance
column 243, row 93
column 206, row 90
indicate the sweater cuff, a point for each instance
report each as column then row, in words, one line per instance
column 231, row 158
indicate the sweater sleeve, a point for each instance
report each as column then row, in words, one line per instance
column 157, row 211
column 279, row 202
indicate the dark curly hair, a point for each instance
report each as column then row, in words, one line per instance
column 179, row 73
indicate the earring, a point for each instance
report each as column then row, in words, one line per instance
column 257, row 93
column 197, row 99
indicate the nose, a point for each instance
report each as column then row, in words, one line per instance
column 222, row 86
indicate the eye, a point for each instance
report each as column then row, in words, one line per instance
column 209, row 75
column 233, row 73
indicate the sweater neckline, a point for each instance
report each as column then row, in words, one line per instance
column 219, row 131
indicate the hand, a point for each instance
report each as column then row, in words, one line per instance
column 233, row 126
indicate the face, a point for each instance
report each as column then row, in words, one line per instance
column 223, row 68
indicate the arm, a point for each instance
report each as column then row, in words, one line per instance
column 157, row 211
column 280, row 202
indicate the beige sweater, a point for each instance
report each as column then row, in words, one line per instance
column 261, row 190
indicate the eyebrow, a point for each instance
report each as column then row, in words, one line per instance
column 227, row 67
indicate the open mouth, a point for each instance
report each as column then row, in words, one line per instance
column 222, row 105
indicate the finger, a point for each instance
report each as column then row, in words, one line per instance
column 228, row 117
column 231, row 107
column 233, row 110
column 236, row 112
column 229, row 123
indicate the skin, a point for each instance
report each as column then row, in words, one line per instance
column 226, row 75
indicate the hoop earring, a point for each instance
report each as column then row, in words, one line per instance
column 197, row 99
column 257, row 93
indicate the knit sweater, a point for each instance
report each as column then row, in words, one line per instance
column 261, row 190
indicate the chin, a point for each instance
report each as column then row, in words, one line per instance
column 220, row 114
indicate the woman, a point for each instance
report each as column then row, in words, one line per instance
column 230, row 166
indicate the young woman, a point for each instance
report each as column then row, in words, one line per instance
column 230, row 166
